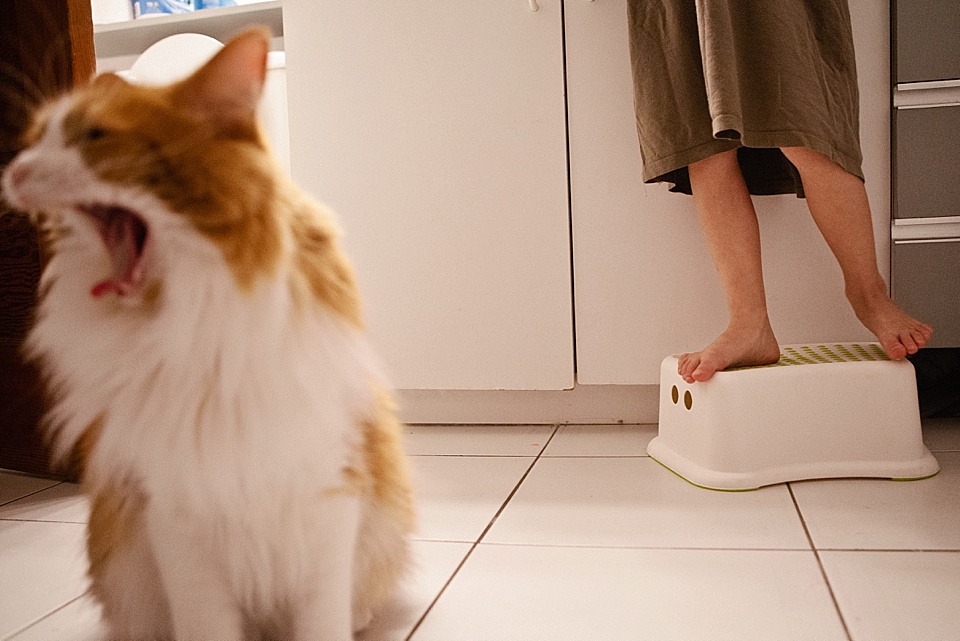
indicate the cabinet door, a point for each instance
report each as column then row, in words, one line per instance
column 436, row 130
column 644, row 283
column 928, row 162
column 926, row 40
column 925, row 284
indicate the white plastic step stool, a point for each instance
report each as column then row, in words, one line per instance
column 823, row 411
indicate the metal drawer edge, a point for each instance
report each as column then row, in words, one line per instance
column 941, row 229
column 918, row 95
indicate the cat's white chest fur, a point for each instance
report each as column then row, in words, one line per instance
column 214, row 387
column 234, row 417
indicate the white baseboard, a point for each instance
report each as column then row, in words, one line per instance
column 584, row 404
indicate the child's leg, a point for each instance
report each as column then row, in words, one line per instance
column 729, row 223
column 838, row 203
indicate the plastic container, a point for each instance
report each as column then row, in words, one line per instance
column 213, row 4
column 823, row 411
column 153, row 8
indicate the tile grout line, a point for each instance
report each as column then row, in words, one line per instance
column 443, row 589
column 652, row 548
column 549, row 456
column 473, row 455
column 20, row 498
column 473, row 546
column 517, row 486
column 688, row 548
column 8, row 519
column 13, row 636
column 894, row 550
column 823, row 570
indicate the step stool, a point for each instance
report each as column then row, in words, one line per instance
column 822, row 411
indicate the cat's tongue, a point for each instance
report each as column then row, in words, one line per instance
column 125, row 235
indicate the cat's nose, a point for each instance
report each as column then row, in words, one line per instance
column 14, row 180
column 17, row 174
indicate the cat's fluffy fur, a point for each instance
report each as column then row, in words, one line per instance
column 201, row 335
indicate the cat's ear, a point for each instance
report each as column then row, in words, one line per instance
column 227, row 89
column 108, row 81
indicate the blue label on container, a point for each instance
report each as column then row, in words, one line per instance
column 155, row 7
column 213, row 4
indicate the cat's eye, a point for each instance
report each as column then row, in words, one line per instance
column 92, row 134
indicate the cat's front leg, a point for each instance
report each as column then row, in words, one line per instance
column 324, row 609
column 201, row 606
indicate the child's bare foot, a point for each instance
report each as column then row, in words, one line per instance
column 899, row 333
column 735, row 347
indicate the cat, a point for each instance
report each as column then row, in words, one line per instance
column 201, row 337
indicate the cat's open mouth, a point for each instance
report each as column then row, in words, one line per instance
column 124, row 233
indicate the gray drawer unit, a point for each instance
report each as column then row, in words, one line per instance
column 926, row 284
column 927, row 161
column 925, row 252
column 927, row 40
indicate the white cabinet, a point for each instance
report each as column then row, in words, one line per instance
column 644, row 283
column 436, row 130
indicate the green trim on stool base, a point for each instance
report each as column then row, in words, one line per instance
column 818, row 478
column 914, row 478
column 704, row 487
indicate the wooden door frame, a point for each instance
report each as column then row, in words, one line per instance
column 46, row 46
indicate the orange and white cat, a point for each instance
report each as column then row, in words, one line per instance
column 201, row 335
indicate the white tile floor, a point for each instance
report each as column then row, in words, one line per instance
column 572, row 533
